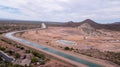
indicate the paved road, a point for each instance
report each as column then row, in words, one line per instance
column 6, row 57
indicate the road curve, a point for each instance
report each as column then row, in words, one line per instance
column 6, row 57
column 50, row 50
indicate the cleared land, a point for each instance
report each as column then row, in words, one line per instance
column 87, row 40
column 103, row 40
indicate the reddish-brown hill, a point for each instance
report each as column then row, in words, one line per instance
column 114, row 27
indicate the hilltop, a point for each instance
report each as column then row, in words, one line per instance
column 112, row 26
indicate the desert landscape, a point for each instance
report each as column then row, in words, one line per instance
column 14, row 54
column 83, row 39
column 88, row 40
column 102, row 40
column 59, row 33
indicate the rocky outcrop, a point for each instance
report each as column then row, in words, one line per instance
column 86, row 28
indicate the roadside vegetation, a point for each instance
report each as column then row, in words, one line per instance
column 9, row 64
column 68, row 48
column 2, row 48
column 106, row 55
column 9, row 26
column 37, row 57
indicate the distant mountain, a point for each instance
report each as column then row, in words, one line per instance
column 115, row 26
column 75, row 24
column 30, row 22
column 90, row 22
column 116, row 23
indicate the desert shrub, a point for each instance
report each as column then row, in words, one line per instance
column 22, row 48
column 34, row 60
column 66, row 48
column 38, row 55
column 10, row 52
column 42, row 63
column 27, row 51
column 2, row 48
column 17, row 55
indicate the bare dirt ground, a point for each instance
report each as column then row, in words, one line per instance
column 106, row 41
column 55, row 63
column 103, row 40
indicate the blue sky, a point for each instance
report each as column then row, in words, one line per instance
column 103, row 11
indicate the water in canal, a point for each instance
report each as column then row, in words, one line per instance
column 70, row 57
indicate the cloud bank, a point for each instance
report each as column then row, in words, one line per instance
column 61, row 10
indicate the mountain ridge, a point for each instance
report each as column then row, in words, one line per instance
column 113, row 26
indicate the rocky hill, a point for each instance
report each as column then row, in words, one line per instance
column 114, row 27
column 86, row 28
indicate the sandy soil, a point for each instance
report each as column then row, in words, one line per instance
column 55, row 63
column 106, row 41
column 3, row 44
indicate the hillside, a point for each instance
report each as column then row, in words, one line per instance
column 114, row 27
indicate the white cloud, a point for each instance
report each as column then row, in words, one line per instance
column 62, row 10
